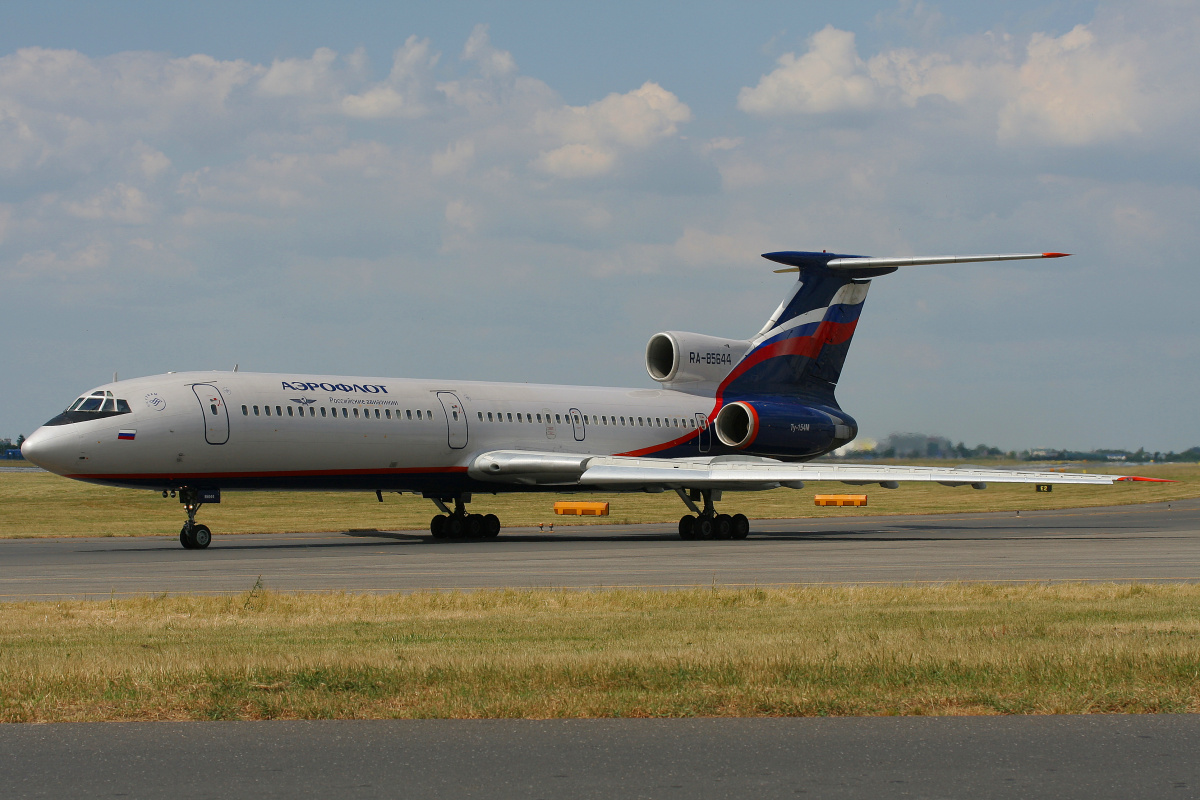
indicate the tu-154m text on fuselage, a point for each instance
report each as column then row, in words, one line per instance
column 732, row 414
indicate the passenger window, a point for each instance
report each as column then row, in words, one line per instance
column 408, row 413
column 539, row 417
column 290, row 412
column 639, row 420
column 213, row 406
column 456, row 416
column 278, row 411
column 345, row 412
column 356, row 412
column 267, row 409
column 377, row 413
column 245, row 411
column 429, row 415
column 256, row 411
column 490, row 417
column 480, row 415
column 576, row 419
column 518, row 416
column 418, row 413
column 312, row 411
column 322, row 411
column 387, row 413
column 558, row 419
column 622, row 420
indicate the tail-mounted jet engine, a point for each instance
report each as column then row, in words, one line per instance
column 681, row 360
column 782, row 430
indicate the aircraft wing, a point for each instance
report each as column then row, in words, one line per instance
column 733, row 473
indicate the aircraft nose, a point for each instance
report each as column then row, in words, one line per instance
column 48, row 449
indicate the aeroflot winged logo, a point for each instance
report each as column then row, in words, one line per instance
column 304, row 401
column 302, row 386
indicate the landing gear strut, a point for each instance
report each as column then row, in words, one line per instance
column 193, row 536
column 707, row 523
column 458, row 524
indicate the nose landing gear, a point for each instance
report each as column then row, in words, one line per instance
column 193, row 535
column 707, row 523
column 458, row 524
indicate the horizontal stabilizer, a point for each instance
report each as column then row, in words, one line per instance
column 798, row 260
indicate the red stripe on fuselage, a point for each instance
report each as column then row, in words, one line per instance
column 315, row 473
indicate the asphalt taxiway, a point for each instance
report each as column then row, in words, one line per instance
column 1092, row 757
column 1156, row 542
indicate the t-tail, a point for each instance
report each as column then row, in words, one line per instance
column 774, row 393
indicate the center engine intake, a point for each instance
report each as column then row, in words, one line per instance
column 676, row 357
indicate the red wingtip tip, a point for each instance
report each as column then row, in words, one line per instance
column 1148, row 480
column 1055, row 255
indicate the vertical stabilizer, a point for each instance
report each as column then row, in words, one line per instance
column 801, row 349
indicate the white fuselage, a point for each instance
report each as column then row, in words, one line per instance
column 276, row 431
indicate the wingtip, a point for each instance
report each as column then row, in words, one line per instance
column 1148, row 480
column 1055, row 255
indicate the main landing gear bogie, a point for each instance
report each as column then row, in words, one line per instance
column 707, row 523
column 458, row 524
column 718, row 526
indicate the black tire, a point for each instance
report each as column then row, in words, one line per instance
column 741, row 526
column 201, row 537
column 491, row 526
column 475, row 526
column 456, row 526
column 723, row 527
column 185, row 538
column 705, row 527
column 687, row 527
column 437, row 526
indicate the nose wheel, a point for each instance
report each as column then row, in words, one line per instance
column 193, row 535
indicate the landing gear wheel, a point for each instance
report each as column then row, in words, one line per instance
column 201, row 536
column 687, row 527
column 491, row 526
column 185, row 538
column 723, row 527
column 705, row 527
column 741, row 526
column 456, row 526
column 475, row 526
column 437, row 526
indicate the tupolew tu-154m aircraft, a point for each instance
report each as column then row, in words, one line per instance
column 732, row 415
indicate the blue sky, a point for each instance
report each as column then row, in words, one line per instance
column 472, row 190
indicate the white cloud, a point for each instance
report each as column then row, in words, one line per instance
column 403, row 94
column 1072, row 91
column 299, row 77
column 592, row 133
column 1066, row 90
column 455, row 158
column 829, row 77
column 121, row 203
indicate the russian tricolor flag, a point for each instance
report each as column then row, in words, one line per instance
column 127, row 435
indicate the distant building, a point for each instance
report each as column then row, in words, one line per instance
column 917, row 445
column 12, row 454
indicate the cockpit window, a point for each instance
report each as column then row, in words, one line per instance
column 97, row 405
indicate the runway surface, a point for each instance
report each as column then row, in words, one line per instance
column 1093, row 757
column 1159, row 542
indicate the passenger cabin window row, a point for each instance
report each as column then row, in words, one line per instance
column 347, row 412
column 602, row 419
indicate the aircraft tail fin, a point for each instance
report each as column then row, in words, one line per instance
column 803, row 346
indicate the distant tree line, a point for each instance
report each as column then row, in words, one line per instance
column 919, row 445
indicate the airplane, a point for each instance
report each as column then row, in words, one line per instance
column 731, row 415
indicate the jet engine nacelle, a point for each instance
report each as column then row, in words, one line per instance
column 677, row 357
column 782, row 430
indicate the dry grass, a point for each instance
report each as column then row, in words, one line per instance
column 846, row 651
column 41, row 504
